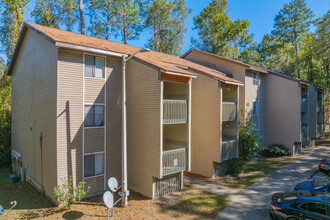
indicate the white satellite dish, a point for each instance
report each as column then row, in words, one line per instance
column 108, row 199
column 113, row 184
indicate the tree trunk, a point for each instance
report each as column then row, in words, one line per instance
column 81, row 17
column 125, row 32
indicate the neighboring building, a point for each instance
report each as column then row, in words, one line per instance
column 277, row 104
column 67, row 112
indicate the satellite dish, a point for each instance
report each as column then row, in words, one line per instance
column 108, row 199
column 113, row 184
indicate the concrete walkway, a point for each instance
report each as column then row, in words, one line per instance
column 253, row 202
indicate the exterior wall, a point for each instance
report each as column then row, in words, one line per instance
column 282, row 105
column 34, row 89
column 253, row 93
column 205, row 125
column 144, row 127
column 312, row 102
column 237, row 71
column 70, row 113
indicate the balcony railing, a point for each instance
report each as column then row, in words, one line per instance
column 229, row 111
column 304, row 104
column 174, row 161
column 319, row 130
column 229, row 149
column 175, row 111
column 319, row 105
column 304, row 132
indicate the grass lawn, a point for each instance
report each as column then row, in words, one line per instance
column 190, row 203
column 256, row 170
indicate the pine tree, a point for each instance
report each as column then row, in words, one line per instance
column 291, row 23
column 48, row 13
column 167, row 20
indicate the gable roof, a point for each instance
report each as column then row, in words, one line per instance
column 164, row 62
column 246, row 65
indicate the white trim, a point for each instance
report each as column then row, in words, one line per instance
column 98, row 78
column 257, row 77
column 90, row 177
column 93, row 153
column 189, row 126
column 161, row 128
column 180, row 74
column 89, row 49
column 94, row 103
column 104, row 122
column 234, row 83
column 83, row 122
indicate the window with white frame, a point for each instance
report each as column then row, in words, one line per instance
column 255, row 115
column 94, row 66
column 94, row 115
column 93, row 164
column 255, row 76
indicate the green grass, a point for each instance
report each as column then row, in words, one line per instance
column 255, row 171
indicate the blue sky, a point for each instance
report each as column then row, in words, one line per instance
column 260, row 13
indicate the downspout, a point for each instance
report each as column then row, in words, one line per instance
column 124, row 135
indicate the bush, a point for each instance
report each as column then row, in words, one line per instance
column 67, row 195
column 275, row 150
column 247, row 146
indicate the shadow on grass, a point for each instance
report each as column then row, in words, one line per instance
column 72, row 215
column 198, row 203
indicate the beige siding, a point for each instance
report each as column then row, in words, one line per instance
column 282, row 122
column 205, row 125
column 94, row 140
column 70, row 115
column 34, row 109
column 113, row 118
column 96, row 184
column 144, row 126
column 94, row 90
column 237, row 71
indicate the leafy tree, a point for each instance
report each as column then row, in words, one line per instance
column 73, row 11
column 47, row 12
column 293, row 20
column 218, row 34
column 11, row 20
column 167, row 19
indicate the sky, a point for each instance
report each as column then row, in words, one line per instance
column 260, row 13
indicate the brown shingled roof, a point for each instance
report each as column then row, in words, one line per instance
column 165, row 62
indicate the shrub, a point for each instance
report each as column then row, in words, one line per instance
column 67, row 195
column 275, row 150
column 247, row 146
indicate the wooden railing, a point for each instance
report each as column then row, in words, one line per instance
column 229, row 111
column 229, row 150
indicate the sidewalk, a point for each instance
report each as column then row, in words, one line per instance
column 253, row 202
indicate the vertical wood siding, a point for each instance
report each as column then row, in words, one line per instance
column 205, row 125
column 70, row 115
column 144, row 127
column 34, row 82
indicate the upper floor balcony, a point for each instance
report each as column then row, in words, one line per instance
column 175, row 111
column 304, row 103
column 319, row 130
column 319, row 106
column 304, row 131
column 229, row 111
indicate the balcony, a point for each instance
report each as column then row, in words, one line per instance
column 319, row 106
column 319, row 130
column 175, row 111
column 304, row 103
column 174, row 161
column 304, row 132
column 229, row 149
column 229, row 111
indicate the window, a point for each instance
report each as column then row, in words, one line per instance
column 93, row 165
column 94, row 115
column 255, row 76
column 314, row 207
column 94, row 66
column 255, row 110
